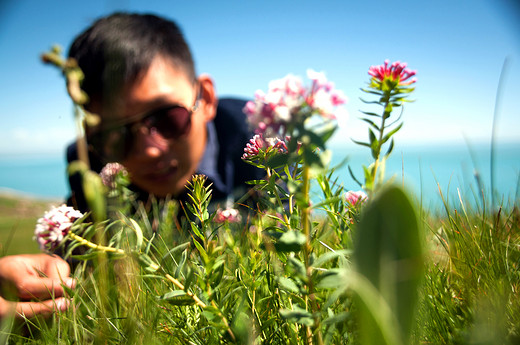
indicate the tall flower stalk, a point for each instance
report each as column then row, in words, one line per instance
column 91, row 182
column 293, row 124
column 391, row 83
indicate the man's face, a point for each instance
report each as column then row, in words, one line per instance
column 156, row 164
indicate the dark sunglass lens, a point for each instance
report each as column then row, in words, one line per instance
column 173, row 122
column 111, row 145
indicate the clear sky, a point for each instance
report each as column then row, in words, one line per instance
column 457, row 47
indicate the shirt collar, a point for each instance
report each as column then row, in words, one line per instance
column 208, row 164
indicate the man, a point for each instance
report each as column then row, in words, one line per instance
column 158, row 119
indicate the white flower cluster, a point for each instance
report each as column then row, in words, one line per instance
column 55, row 224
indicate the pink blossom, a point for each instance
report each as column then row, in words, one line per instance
column 55, row 224
column 258, row 144
column 354, row 198
column 397, row 71
column 230, row 215
column 288, row 101
column 109, row 172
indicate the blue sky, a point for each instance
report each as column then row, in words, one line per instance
column 457, row 47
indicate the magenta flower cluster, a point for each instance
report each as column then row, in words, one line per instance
column 288, row 101
column 396, row 72
column 260, row 144
column 230, row 215
column 55, row 224
column 353, row 198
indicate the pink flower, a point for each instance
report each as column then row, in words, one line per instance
column 397, row 71
column 353, row 198
column 109, row 173
column 288, row 101
column 230, row 215
column 55, row 224
column 258, row 144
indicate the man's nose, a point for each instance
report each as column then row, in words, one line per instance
column 149, row 142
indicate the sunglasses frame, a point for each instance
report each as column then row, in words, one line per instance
column 126, row 128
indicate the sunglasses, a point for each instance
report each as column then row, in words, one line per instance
column 115, row 141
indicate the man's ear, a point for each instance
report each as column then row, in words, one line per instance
column 208, row 97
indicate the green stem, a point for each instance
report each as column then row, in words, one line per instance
column 99, row 247
column 379, row 142
column 306, row 220
column 81, row 142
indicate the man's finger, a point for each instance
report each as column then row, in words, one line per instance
column 36, row 287
column 55, row 267
column 31, row 309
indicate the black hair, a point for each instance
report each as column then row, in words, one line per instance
column 116, row 49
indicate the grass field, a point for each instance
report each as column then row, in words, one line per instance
column 469, row 293
column 18, row 216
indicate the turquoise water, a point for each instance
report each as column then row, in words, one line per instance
column 428, row 171
column 420, row 167
column 40, row 176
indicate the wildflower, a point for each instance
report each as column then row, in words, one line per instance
column 353, row 198
column 259, row 144
column 396, row 72
column 288, row 102
column 55, row 224
column 109, row 173
column 230, row 215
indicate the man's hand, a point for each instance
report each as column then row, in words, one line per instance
column 36, row 280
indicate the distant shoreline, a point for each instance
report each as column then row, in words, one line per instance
column 17, row 194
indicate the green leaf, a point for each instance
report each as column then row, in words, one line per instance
column 146, row 262
column 389, row 254
column 297, row 266
column 287, row 284
column 390, row 148
column 138, row 233
column 189, row 279
column 169, row 253
column 89, row 256
column 298, row 315
column 312, row 159
column 368, row 113
column 332, row 279
column 392, row 132
column 338, row 318
column 353, row 176
column 177, row 297
column 375, row 147
column 312, row 139
column 182, row 262
column 76, row 167
column 320, row 136
column 217, row 271
column 290, row 241
column 371, row 137
column 257, row 182
column 324, row 258
column 94, row 195
column 360, row 143
column 326, row 202
column 202, row 252
column 277, row 160
column 371, row 123
column 195, row 229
